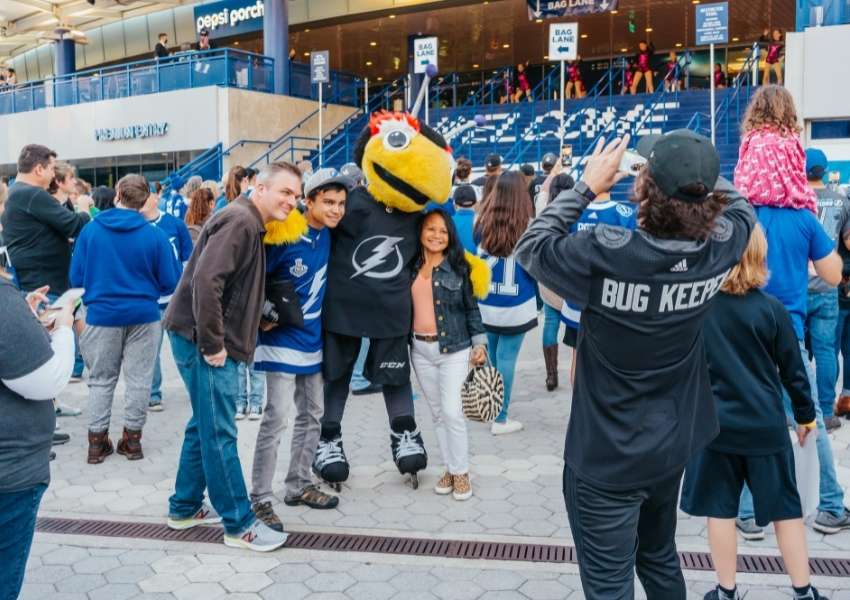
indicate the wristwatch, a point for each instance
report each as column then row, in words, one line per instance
column 582, row 188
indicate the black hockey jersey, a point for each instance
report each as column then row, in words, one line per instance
column 642, row 401
column 372, row 253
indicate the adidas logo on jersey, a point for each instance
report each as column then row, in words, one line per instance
column 298, row 269
column 680, row 267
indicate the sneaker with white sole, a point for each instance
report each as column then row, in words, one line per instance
column 206, row 515
column 444, row 485
column 259, row 537
column 828, row 523
column 255, row 414
column 241, row 413
column 156, row 407
column 462, row 487
column 509, row 426
column 63, row 410
column 749, row 530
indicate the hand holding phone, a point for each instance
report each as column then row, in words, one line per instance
column 631, row 163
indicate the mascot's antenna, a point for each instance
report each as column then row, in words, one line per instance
column 430, row 73
column 478, row 121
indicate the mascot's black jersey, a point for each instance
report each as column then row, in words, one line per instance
column 368, row 293
column 642, row 401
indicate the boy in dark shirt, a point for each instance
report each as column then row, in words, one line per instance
column 752, row 353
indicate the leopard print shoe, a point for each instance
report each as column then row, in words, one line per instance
column 444, row 485
column 462, row 487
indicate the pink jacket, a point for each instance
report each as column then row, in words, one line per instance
column 771, row 171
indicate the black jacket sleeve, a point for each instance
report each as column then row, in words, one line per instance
column 792, row 372
column 46, row 210
column 554, row 257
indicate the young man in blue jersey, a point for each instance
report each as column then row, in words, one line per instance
column 291, row 355
column 181, row 242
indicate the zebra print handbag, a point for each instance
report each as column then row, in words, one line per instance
column 483, row 393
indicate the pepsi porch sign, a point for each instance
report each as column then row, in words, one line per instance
column 563, row 41
column 424, row 53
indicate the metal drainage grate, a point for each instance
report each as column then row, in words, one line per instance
column 346, row 542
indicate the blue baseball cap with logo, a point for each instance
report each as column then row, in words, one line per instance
column 816, row 163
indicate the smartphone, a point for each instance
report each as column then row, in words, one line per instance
column 72, row 297
column 566, row 155
column 631, row 163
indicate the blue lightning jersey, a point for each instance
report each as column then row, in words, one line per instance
column 622, row 214
column 291, row 349
column 511, row 305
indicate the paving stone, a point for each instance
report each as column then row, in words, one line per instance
column 504, row 595
column 457, row 590
column 80, row 584
column 68, row 596
column 199, row 591
column 370, row 590
column 36, row 591
column 332, row 566
column 247, row 582
column 329, row 582
column 544, row 590
column 414, row 582
column 129, row 574
column 163, row 582
column 115, row 591
column 96, row 564
column 140, row 557
column 284, row 591
column 66, row 555
column 369, row 572
column 496, row 580
column 49, row 574
column 254, row 564
column 288, row 572
column 179, row 563
column 41, row 548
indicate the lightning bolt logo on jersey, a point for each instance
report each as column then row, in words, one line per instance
column 369, row 276
column 297, row 349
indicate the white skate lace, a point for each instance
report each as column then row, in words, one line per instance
column 329, row 452
column 408, row 445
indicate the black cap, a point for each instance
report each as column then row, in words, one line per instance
column 465, row 195
column 204, row 31
column 680, row 159
column 493, row 161
column 561, row 183
column 528, row 170
column 549, row 160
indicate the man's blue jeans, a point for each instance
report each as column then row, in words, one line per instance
column 504, row 350
column 252, row 388
column 156, row 386
column 551, row 325
column 831, row 494
column 822, row 322
column 18, row 511
column 208, row 459
column 842, row 347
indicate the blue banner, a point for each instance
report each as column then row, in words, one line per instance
column 230, row 17
column 553, row 9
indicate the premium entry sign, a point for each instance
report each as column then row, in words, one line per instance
column 319, row 66
column 712, row 23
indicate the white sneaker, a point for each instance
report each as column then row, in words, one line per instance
column 240, row 414
column 259, row 537
column 64, row 410
column 509, row 426
column 206, row 515
column 255, row 414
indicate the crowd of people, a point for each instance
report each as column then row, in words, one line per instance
column 693, row 310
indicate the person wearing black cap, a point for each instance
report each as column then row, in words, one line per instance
column 642, row 402
column 204, row 39
column 464, row 198
column 492, row 168
column 547, row 163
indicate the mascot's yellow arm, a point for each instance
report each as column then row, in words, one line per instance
column 286, row 232
column 479, row 275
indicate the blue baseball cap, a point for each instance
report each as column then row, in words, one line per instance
column 816, row 163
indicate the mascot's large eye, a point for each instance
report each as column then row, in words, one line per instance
column 396, row 140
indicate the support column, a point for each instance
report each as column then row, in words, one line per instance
column 276, row 41
column 65, row 62
column 415, row 79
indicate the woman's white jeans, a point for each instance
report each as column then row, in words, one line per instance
column 441, row 377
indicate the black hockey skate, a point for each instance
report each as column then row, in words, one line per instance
column 407, row 448
column 330, row 463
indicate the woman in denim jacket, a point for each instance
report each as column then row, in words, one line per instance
column 447, row 335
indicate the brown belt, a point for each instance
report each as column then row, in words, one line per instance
column 425, row 338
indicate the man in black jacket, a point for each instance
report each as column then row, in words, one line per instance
column 161, row 48
column 38, row 229
column 642, row 403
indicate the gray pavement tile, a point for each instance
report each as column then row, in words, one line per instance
column 129, row 574
column 175, row 563
column 253, row 564
column 287, row 591
column 544, row 590
column 80, row 584
column 497, row 580
column 96, row 564
column 49, row 574
column 115, row 591
column 36, row 591
column 503, row 595
column 66, row 555
column 288, row 572
column 370, row 590
column 455, row 573
column 372, row 572
column 209, row 573
column 457, row 590
column 140, row 557
column 247, row 582
column 414, row 582
column 199, row 591
column 69, row 596
column 330, row 582
column 163, row 582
